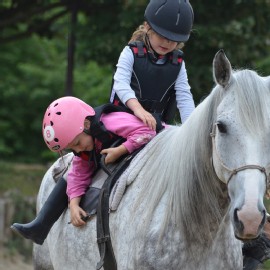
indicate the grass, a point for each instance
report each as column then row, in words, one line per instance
column 25, row 178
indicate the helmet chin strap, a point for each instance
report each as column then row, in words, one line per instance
column 154, row 55
column 87, row 131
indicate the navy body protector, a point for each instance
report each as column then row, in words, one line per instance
column 153, row 83
column 102, row 137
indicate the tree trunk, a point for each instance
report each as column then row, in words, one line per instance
column 71, row 52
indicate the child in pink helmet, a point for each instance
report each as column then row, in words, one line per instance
column 67, row 125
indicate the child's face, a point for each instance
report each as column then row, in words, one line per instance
column 82, row 142
column 160, row 44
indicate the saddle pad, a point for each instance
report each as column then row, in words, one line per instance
column 63, row 165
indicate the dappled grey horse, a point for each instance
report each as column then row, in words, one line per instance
column 192, row 192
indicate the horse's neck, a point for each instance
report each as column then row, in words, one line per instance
column 217, row 224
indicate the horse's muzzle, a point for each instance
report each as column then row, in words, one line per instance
column 248, row 225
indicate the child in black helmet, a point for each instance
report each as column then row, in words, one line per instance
column 151, row 76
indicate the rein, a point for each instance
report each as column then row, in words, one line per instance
column 264, row 170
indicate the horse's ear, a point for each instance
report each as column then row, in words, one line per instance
column 222, row 69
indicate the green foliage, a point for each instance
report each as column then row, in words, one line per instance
column 92, row 83
column 32, row 75
column 239, row 27
column 266, row 265
column 102, row 35
column 263, row 66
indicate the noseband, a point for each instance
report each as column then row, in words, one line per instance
column 232, row 172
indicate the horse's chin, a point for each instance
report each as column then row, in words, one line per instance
column 246, row 238
column 247, row 232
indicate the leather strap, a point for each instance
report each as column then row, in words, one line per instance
column 107, row 258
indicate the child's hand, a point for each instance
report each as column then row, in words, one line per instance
column 76, row 213
column 112, row 154
column 141, row 113
column 147, row 118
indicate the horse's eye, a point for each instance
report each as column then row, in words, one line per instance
column 221, row 127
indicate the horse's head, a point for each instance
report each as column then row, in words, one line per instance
column 241, row 143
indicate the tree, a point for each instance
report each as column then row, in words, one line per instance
column 21, row 19
column 239, row 27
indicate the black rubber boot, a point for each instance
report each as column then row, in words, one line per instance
column 256, row 252
column 38, row 229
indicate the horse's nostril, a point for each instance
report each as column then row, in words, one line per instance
column 235, row 217
column 237, row 223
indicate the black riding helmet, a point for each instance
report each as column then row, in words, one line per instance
column 172, row 19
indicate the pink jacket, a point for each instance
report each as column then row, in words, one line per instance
column 120, row 123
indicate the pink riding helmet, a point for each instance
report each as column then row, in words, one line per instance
column 63, row 121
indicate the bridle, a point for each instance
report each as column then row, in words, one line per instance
column 232, row 172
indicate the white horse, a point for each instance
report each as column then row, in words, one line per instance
column 196, row 189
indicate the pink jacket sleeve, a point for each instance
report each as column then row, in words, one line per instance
column 79, row 177
column 129, row 127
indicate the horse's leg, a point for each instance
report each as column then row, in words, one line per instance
column 38, row 229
